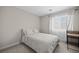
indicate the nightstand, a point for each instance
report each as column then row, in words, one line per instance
column 73, row 39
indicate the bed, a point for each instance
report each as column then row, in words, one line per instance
column 40, row 42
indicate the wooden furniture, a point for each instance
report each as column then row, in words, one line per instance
column 73, row 38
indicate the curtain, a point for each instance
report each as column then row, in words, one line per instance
column 59, row 24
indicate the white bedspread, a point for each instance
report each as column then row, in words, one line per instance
column 41, row 43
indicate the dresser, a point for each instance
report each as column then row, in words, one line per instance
column 73, row 39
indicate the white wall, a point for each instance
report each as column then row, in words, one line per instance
column 11, row 22
column 44, row 24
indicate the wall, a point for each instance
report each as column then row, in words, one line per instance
column 44, row 24
column 12, row 20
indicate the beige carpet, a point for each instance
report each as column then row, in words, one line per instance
column 62, row 48
column 21, row 48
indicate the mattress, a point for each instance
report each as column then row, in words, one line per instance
column 41, row 43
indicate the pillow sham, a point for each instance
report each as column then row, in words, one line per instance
column 29, row 32
column 36, row 31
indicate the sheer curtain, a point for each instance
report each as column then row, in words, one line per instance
column 59, row 24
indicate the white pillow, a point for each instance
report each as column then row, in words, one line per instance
column 29, row 32
column 36, row 31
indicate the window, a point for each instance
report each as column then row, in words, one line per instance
column 59, row 22
column 58, row 25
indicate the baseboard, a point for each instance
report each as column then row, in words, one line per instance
column 9, row 45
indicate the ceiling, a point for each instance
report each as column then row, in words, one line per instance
column 43, row 10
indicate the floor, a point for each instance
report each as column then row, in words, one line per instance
column 62, row 48
column 21, row 48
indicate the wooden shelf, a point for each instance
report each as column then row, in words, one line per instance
column 73, row 36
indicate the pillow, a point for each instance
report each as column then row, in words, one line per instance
column 29, row 32
column 36, row 31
